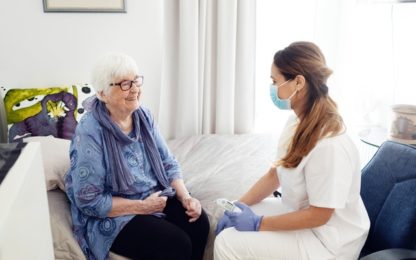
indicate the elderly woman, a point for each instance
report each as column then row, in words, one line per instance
column 125, row 187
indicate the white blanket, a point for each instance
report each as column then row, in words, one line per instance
column 213, row 166
column 222, row 166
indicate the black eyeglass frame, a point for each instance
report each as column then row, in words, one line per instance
column 123, row 84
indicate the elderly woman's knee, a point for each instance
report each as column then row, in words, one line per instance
column 181, row 248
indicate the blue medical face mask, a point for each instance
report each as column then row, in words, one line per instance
column 283, row 104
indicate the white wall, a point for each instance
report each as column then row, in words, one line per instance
column 369, row 46
column 40, row 49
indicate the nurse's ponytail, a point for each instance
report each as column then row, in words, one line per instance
column 320, row 117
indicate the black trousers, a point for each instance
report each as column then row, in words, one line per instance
column 173, row 237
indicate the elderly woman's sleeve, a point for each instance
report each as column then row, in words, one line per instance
column 88, row 177
column 171, row 165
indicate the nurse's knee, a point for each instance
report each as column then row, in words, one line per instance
column 222, row 246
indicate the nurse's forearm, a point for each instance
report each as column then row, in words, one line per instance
column 306, row 218
column 265, row 186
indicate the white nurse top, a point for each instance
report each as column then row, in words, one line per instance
column 329, row 177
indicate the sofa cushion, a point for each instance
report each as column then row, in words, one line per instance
column 387, row 189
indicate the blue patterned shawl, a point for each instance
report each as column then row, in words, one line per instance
column 115, row 139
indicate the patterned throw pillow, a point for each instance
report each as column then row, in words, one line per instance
column 44, row 111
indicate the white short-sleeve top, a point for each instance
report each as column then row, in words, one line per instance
column 330, row 177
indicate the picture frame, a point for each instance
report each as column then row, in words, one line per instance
column 90, row 6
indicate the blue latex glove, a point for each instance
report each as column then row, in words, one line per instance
column 222, row 224
column 246, row 220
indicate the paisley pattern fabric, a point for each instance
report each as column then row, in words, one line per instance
column 88, row 184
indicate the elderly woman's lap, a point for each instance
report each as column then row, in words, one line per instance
column 172, row 237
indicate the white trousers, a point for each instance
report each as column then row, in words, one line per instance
column 231, row 244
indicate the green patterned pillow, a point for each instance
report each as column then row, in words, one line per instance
column 44, row 111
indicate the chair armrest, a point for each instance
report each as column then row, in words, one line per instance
column 391, row 254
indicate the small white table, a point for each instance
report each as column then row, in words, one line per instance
column 25, row 231
column 374, row 136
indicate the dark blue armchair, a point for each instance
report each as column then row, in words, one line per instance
column 388, row 189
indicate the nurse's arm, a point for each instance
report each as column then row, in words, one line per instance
column 305, row 218
column 265, row 186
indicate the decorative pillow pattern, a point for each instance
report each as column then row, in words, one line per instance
column 44, row 111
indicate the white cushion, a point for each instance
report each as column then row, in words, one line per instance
column 55, row 156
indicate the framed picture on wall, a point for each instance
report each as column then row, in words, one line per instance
column 105, row 6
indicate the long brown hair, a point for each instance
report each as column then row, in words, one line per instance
column 319, row 117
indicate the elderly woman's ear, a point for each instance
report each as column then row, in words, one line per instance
column 101, row 95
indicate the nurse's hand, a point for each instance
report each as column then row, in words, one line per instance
column 246, row 220
column 223, row 223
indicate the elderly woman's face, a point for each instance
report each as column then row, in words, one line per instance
column 120, row 99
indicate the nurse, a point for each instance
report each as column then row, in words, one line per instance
column 321, row 214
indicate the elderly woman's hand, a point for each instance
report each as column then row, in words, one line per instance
column 153, row 203
column 193, row 208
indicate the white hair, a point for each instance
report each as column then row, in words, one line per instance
column 109, row 67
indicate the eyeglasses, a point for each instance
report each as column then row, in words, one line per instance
column 126, row 85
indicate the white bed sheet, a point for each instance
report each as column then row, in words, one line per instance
column 222, row 166
column 213, row 166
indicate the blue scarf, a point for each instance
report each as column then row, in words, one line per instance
column 115, row 139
